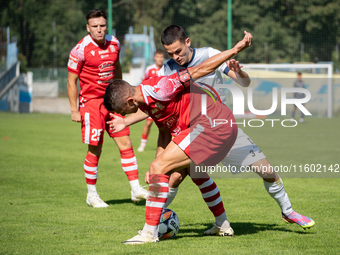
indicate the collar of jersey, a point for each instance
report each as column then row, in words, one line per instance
column 192, row 57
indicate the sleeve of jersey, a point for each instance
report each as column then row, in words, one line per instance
column 167, row 87
column 222, row 68
column 76, row 60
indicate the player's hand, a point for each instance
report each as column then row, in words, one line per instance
column 117, row 124
column 234, row 65
column 245, row 43
column 75, row 116
column 147, row 175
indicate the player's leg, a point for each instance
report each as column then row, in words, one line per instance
column 171, row 159
column 274, row 186
column 293, row 113
column 91, row 174
column 175, row 180
column 130, row 166
column 302, row 116
column 128, row 158
column 92, row 133
column 212, row 198
column 145, row 134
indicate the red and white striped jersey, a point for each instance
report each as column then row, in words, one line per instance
column 172, row 103
column 95, row 65
column 151, row 71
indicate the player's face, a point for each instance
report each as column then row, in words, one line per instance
column 97, row 28
column 159, row 59
column 180, row 52
column 128, row 107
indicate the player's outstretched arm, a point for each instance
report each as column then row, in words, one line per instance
column 72, row 92
column 237, row 74
column 119, row 123
column 211, row 64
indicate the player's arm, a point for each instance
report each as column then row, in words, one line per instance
column 118, row 71
column 119, row 123
column 72, row 92
column 237, row 74
column 211, row 64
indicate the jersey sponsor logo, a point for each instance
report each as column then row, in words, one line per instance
column 170, row 121
column 158, row 115
column 102, row 82
column 105, row 65
column 73, row 62
column 103, row 52
column 104, row 56
column 92, row 52
column 156, row 89
column 154, row 110
column 106, row 74
column 159, row 105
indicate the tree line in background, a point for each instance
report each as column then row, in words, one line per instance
column 284, row 31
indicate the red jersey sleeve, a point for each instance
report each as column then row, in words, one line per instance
column 165, row 88
column 76, row 59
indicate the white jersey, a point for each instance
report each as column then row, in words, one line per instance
column 198, row 56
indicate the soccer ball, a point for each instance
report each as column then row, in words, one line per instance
column 168, row 224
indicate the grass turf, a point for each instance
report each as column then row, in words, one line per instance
column 43, row 191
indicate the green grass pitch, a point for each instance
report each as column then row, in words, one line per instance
column 43, row 192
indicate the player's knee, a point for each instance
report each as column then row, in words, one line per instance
column 156, row 167
column 175, row 179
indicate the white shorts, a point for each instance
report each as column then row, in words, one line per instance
column 243, row 153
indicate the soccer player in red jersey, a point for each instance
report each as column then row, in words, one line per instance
column 95, row 62
column 175, row 106
column 151, row 71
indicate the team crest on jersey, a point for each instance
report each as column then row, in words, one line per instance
column 159, row 106
column 92, row 52
column 112, row 48
column 156, row 89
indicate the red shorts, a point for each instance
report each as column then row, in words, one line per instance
column 93, row 122
column 205, row 144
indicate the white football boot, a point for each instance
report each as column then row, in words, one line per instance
column 220, row 230
column 141, row 238
column 95, row 201
column 138, row 194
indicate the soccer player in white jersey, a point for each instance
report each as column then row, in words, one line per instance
column 244, row 152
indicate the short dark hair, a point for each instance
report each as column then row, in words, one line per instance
column 116, row 94
column 158, row 51
column 96, row 13
column 299, row 73
column 172, row 34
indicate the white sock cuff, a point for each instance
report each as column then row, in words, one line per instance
column 273, row 186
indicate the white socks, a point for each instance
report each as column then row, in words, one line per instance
column 150, row 231
column 220, row 219
column 134, row 184
column 171, row 195
column 91, row 188
column 276, row 191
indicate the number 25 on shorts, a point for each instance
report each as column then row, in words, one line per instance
column 96, row 134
